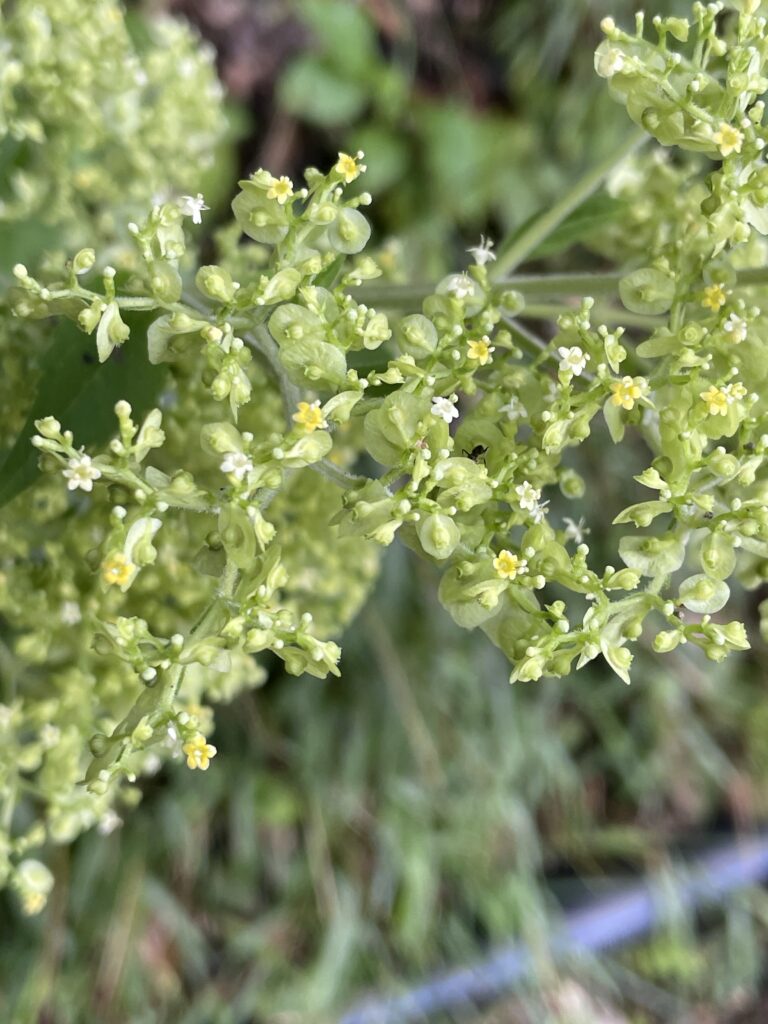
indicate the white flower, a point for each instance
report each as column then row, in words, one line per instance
column 50, row 735
column 482, row 253
column 575, row 531
column 572, row 360
column 81, row 472
column 528, row 496
column 539, row 511
column 736, row 327
column 193, row 206
column 514, row 409
column 109, row 822
column 70, row 613
column 462, row 286
column 444, row 408
column 609, row 62
column 236, row 463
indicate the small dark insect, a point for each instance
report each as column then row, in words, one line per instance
column 477, row 453
column 709, row 515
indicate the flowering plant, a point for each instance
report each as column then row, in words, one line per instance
column 282, row 414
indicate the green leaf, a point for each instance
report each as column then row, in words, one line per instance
column 596, row 213
column 81, row 393
column 592, row 215
column 315, row 93
column 345, row 33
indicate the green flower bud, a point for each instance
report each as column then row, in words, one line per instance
column 238, row 536
column 624, row 579
column 262, row 219
column 677, row 27
column 717, row 555
column 652, row 556
column 438, row 535
column 715, row 652
column 264, row 530
column 571, row 483
column 88, row 318
column 308, row 450
column 138, row 548
column 99, row 743
column 666, row 640
column 512, row 302
column 647, row 291
column 111, row 331
column 322, row 214
column 416, row 335
column 350, row 231
column 619, row 658
column 292, row 323
column 216, row 283
column 182, row 323
column 220, row 438
column 339, row 408
column 165, row 281
column 704, row 594
column 281, row 286
column 83, row 261
column 734, row 634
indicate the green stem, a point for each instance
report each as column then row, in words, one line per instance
column 550, row 311
column 522, row 334
column 338, row 475
column 514, row 250
column 261, row 341
column 409, row 296
column 565, row 284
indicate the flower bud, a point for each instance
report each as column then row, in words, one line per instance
column 216, row 283
column 438, row 535
column 83, row 261
column 349, row 232
column 416, row 335
column 717, row 556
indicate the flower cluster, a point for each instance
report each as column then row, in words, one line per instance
column 241, row 509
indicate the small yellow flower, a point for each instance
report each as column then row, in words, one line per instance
column 716, row 401
column 714, row 297
column 32, row 903
column 349, row 167
column 281, row 189
column 309, row 416
column 117, row 570
column 728, row 139
column 480, row 350
column 508, row 566
column 199, row 752
column 627, row 391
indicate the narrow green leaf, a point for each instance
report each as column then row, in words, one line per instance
column 81, row 393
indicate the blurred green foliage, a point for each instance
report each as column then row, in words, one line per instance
column 467, row 120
